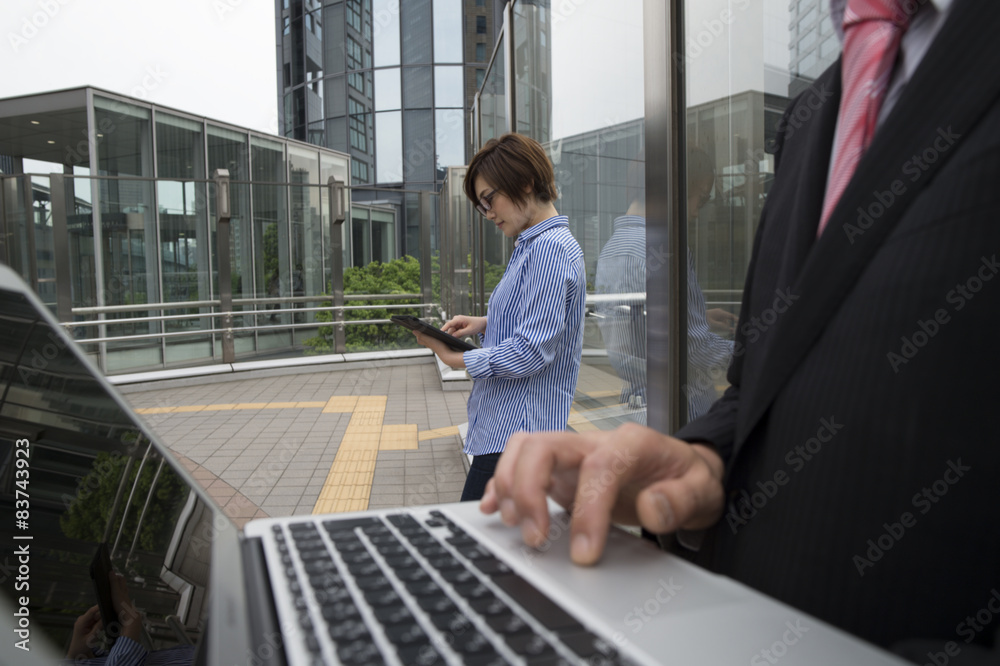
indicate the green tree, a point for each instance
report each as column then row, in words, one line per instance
column 88, row 512
column 400, row 276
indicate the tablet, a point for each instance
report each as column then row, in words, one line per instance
column 414, row 324
column 100, row 569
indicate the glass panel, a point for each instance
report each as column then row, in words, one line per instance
column 415, row 19
column 449, row 86
column 448, row 31
column 80, row 228
column 586, row 106
column 129, row 247
column 450, row 134
column 739, row 82
column 372, row 267
column 124, row 141
column 385, row 37
column 493, row 100
column 306, row 227
column 389, row 147
column 417, row 88
column 387, row 89
column 91, row 481
column 418, row 146
column 272, row 274
column 227, row 149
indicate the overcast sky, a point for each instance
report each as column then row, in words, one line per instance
column 214, row 58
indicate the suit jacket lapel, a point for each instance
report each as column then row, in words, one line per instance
column 949, row 92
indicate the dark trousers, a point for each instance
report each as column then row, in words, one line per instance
column 480, row 472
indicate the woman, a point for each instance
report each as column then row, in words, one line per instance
column 532, row 335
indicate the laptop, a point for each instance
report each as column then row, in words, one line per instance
column 428, row 585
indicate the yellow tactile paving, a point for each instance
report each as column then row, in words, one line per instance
column 579, row 422
column 372, row 403
column 398, row 438
column 340, row 404
column 603, row 394
column 450, row 431
column 348, row 484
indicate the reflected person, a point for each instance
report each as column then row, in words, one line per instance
column 128, row 650
column 621, row 271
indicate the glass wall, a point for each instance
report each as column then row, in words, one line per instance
column 272, row 271
column 742, row 63
column 141, row 242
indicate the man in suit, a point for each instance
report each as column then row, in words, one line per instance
column 850, row 469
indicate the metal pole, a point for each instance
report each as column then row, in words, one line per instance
column 222, row 213
column 60, row 246
column 338, row 213
column 666, row 204
column 425, row 249
column 29, row 232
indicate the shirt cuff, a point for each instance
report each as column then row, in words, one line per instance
column 125, row 652
column 477, row 363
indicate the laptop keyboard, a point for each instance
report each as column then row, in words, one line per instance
column 371, row 592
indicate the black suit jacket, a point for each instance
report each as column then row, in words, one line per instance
column 860, row 430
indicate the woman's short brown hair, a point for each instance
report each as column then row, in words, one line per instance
column 510, row 163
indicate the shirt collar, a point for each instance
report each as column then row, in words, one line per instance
column 837, row 13
column 630, row 221
column 540, row 228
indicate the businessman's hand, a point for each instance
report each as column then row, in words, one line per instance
column 631, row 475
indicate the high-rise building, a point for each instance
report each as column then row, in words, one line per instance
column 389, row 82
column 813, row 43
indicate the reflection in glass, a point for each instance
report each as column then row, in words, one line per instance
column 415, row 21
column 385, row 20
column 307, row 228
column 450, row 135
column 387, row 89
column 418, row 146
column 227, row 149
column 271, row 269
column 417, row 88
column 448, row 31
column 493, row 100
column 449, row 86
column 94, row 478
column 389, row 147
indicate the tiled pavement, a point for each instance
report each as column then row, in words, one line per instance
column 299, row 442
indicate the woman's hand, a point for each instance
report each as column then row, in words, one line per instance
column 128, row 615
column 463, row 325
column 448, row 356
column 84, row 634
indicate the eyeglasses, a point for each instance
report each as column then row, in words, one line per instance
column 486, row 203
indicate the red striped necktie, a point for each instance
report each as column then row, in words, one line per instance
column 873, row 30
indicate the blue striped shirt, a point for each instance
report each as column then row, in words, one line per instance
column 527, row 368
column 126, row 652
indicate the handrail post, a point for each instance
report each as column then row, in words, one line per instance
column 60, row 246
column 425, row 250
column 338, row 213
column 222, row 214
